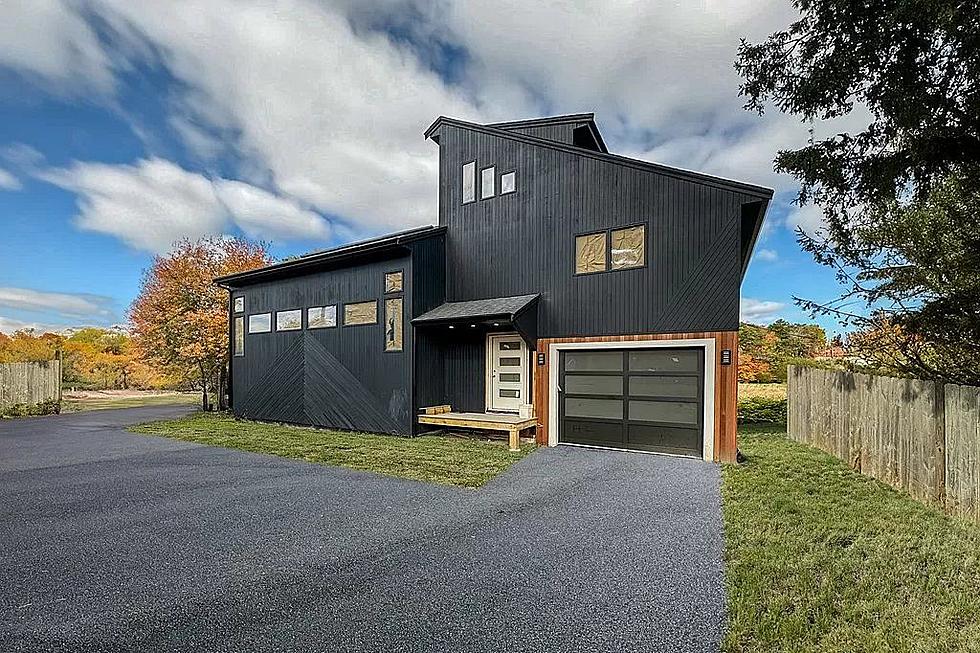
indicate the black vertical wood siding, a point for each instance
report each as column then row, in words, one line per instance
column 340, row 376
column 525, row 242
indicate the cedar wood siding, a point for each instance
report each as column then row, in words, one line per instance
column 524, row 242
column 340, row 376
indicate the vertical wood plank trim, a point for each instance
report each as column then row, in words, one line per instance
column 725, row 391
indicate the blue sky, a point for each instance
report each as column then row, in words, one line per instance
column 125, row 126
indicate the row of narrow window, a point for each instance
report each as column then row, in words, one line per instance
column 488, row 182
column 320, row 317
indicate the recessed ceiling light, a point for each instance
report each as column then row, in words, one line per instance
column 451, row 326
column 496, row 323
column 473, row 326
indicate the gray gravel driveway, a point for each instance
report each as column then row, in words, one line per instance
column 118, row 542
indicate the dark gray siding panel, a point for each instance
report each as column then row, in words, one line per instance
column 338, row 377
column 429, row 291
column 524, row 242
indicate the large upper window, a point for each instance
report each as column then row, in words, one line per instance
column 615, row 249
column 289, row 320
column 321, row 317
column 487, row 178
column 469, row 182
column 628, row 248
column 260, row 323
column 590, row 253
column 361, row 313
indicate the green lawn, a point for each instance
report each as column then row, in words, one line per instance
column 820, row 558
column 434, row 459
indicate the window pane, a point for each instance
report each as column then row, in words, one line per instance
column 664, row 361
column 393, row 324
column 320, row 317
column 239, row 333
column 393, row 282
column 680, row 412
column 594, row 361
column 513, row 394
column 289, row 320
column 664, row 386
column 510, row 377
column 469, row 182
column 361, row 313
column 628, row 248
column 510, row 346
column 508, row 182
column 510, row 361
column 487, row 177
column 594, row 385
column 260, row 323
column 239, row 304
column 590, row 253
column 605, row 408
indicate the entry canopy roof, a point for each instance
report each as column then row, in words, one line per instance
column 520, row 311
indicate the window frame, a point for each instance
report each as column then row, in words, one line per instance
column 359, row 324
column 608, row 232
column 234, row 302
column 512, row 171
column 251, row 315
column 384, row 325
column 462, row 185
column 324, row 326
column 288, row 310
column 237, row 332
column 401, row 287
column 493, row 182
column 575, row 238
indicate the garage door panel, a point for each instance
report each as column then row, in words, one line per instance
column 594, row 432
column 663, row 438
column 662, row 408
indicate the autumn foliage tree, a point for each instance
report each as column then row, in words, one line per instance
column 180, row 317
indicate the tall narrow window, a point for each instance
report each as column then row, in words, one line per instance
column 393, row 324
column 590, row 253
column 239, row 335
column 508, row 182
column 487, row 179
column 628, row 248
column 469, row 182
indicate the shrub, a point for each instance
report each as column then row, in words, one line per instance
column 762, row 410
column 51, row 407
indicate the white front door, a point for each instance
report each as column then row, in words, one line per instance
column 508, row 369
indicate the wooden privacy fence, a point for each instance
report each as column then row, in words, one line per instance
column 918, row 436
column 29, row 383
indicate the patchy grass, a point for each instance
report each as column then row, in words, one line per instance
column 95, row 402
column 761, row 390
column 446, row 460
column 821, row 558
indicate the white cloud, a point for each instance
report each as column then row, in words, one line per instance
column 759, row 311
column 766, row 255
column 808, row 217
column 47, row 39
column 8, row 181
column 9, row 325
column 154, row 203
column 68, row 304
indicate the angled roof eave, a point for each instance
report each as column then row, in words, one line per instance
column 760, row 192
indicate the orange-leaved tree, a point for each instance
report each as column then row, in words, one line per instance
column 180, row 317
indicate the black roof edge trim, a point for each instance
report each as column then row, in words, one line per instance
column 731, row 184
column 757, row 229
column 547, row 120
column 349, row 250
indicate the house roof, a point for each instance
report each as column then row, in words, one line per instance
column 760, row 192
column 573, row 118
column 478, row 309
column 337, row 254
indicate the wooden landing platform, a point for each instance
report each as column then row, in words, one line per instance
column 513, row 425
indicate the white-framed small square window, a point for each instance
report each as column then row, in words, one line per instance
column 240, row 304
column 289, row 320
column 321, row 317
column 469, row 182
column 508, row 182
column 488, row 177
column 260, row 323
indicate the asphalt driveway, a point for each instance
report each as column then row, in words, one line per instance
column 122, row 542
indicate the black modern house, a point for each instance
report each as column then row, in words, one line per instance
column 594, row 293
